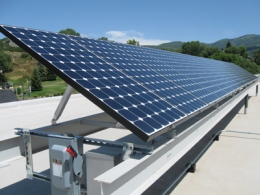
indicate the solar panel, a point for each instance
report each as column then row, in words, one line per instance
column 144, row 89
column 143, row 74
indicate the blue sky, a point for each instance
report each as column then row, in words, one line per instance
column 148, row 21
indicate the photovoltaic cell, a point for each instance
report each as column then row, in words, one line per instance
column 144, row 89
column 145, row 75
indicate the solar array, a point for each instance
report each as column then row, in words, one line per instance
column 146, row 90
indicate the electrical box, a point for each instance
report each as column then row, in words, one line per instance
column 61, row 167
column 97, row 162
column 64, row 155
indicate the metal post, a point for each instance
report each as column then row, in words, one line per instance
column 27, row 86
column 64, row 100
column 246, row 104
column 128, row 150
column 256, row 90
column 1, row 72
column 2, row 76
column 171, row 134
column 28, row 153
column 22, row 91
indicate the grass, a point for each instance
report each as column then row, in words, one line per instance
column 22, row 67
column 22, row 71
column 50, row 88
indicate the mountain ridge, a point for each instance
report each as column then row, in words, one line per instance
column 250, row 41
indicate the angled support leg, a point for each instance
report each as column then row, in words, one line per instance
column 246, row 104
column 63, row 102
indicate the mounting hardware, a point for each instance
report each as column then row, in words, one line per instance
column 99, row 123
column 171, row 134
column 141, row 149
column 216, row 137
column 128, row 150
column 246, row 104
column 119, row 125
column 192, row 168
column 28, row 153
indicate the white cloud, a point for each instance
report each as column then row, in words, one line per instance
column 116, row 34
column 124, row 36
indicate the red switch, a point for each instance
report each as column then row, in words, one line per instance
column 71, row 151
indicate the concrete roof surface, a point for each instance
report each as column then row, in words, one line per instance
column 37, row 113
column 229, row 166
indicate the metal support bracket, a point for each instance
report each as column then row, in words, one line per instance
column 26, row 134
column 128, row 148
column 246, row 104
column 171, row 134
column 63, row 102
column 28, row 153
column 102, row 124
column 78, row 160
column 127, row 151
column 191, row 168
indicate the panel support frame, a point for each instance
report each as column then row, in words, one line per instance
column 63, row 102
column 135, row 175
column 25, row 133
column 28, row 153
column 246, row 104
column 171, row 134
column 100, row 123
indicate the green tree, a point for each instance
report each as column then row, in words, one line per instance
column 209, row 51
column 133, row 42
column 242, row 51
column 3, row 78
column 69, row 31
column 103, row 38
column 5, row 62
column 237, row 50
column 36, row 80
column 228, row 44
column 42, row 72
column 172, row 50
column 194, row 48
column 1, row 45
column 238, row 60
column 257, row 56
column 4, row 45
column 50, row 75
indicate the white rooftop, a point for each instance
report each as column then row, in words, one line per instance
column 230, row 166
column 38, row 113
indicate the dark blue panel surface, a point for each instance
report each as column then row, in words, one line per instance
column 146, row 90
column 143, row 73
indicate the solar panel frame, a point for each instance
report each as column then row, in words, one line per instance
column 63, row 70
column 96, row 101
